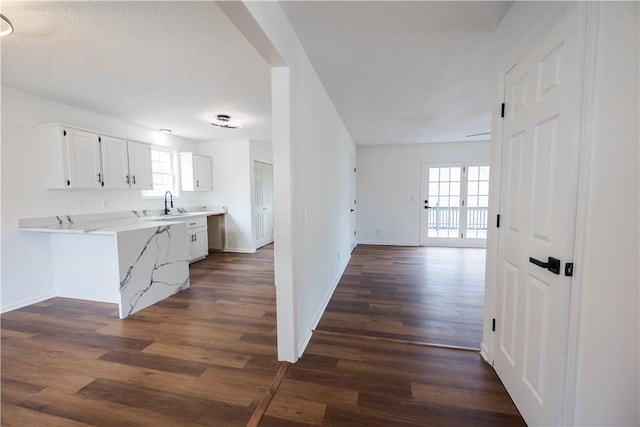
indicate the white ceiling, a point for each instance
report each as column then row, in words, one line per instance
column 398, row 72
column 169, row 65
column 405, row 72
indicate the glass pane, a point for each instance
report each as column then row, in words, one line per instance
column 484, row 173
column 484, row 188
column 455, row 174
column 472, row 201
column 472, row 188
column 473, row 173
column 433, row 189
column 443, row 202
column 455, row 189
column 483, row 201
column 434, row 174
column 454, row 201
column 444, row 174
column 444, row 188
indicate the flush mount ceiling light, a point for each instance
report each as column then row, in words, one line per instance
column 5, row 26
column 224, row 121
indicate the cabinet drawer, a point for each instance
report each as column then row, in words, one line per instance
column 195, row 222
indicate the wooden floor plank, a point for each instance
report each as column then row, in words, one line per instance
column 207, row 356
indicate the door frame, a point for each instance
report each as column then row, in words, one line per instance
column 451, row 242
column 590, row 14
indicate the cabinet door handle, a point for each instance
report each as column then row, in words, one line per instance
column 128, row 181
column 134, row 179
column 99, row 177
column 197, row 183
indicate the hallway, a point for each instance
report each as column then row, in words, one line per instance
column 428, row 295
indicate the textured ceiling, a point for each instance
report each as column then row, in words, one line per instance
column 398, row 72
column 157, row 64
column 405, row 72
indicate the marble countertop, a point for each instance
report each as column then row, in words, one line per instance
column 110, row 223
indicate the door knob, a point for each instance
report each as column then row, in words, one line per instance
column 552, row 264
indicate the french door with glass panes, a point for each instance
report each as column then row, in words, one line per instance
column 455, row 204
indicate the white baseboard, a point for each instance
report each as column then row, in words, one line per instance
column 385, row 243
column 26, row 302
column 239, row 251
column 303, row 344
column 484, row 352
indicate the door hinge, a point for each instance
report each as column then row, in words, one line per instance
column 99, row 139
column 568, row 269
column 493, row 325
column 461, row 236
column 498, row 221
column 502, row 110
column 64, row 133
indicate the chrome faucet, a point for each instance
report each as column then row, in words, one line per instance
column 166, row 209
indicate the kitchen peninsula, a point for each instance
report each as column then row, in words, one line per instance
column 129, row 258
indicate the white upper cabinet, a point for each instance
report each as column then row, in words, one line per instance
column 77, row 158
column 114, row 162
column 83, row 152
column 72, row 157
column 195, row 172
column 140, row 176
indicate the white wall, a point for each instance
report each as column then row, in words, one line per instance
column 608, row 358
column 311, row 149
column 26, row 259
column 389, row 187
column 232, row 187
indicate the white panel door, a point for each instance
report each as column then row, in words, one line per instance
column 537, row 212
column 115, row 163
column 263, row 203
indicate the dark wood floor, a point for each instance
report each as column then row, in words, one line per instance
column 418, row 294
column 208, row 355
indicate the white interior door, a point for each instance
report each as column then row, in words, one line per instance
column 352, row 202
column 263, row 203
column 537, row 212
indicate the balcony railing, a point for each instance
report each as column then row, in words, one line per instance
column 448, row 218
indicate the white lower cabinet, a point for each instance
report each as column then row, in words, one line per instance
column 197, row 238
